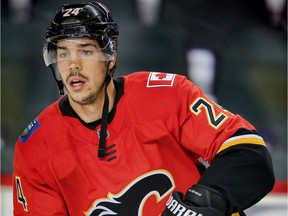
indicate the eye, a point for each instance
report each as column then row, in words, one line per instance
column 62, row 54
column 87, row 52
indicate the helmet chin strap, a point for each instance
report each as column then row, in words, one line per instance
column 59, row 82
column 104, row 120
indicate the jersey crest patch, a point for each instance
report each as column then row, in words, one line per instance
column 159, row 79
column 31, row 128
column 158, row 183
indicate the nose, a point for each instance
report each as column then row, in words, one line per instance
column 74, row 65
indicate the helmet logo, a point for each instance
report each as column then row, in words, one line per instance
column 71, row 12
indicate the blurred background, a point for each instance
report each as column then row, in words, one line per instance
column 236, row 51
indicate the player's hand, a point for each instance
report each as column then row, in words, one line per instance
column 198, row 201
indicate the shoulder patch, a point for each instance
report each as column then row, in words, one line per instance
column 31, row 128
column 159, row 79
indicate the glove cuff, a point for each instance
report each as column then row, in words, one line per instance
column 204, row 196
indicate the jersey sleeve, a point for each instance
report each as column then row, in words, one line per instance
column 237, row 160
column 206, row 127
column 32, row 192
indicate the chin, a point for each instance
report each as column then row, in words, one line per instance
column 83, row 99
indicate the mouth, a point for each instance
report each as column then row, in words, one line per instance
column 76, row 83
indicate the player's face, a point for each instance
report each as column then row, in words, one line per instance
column 82, row 70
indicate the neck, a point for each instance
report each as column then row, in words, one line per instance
column 92, row 112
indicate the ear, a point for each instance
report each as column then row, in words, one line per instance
column 113, row 62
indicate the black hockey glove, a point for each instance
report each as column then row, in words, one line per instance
column 199, row 200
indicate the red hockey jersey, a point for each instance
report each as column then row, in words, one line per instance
column 161, row 127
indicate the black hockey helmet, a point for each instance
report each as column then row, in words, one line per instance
column 91, row 18
column 83, row 20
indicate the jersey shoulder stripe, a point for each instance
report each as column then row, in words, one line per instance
column 243, row 139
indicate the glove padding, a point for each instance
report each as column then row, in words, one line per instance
column 198, row 201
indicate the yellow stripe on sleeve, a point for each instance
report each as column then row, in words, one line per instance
column 244, row 139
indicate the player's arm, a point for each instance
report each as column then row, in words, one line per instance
column 240, row 170
column 32, row 195
column 242, row 173
column 238, row 177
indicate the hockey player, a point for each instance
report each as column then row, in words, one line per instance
column 146, row 144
